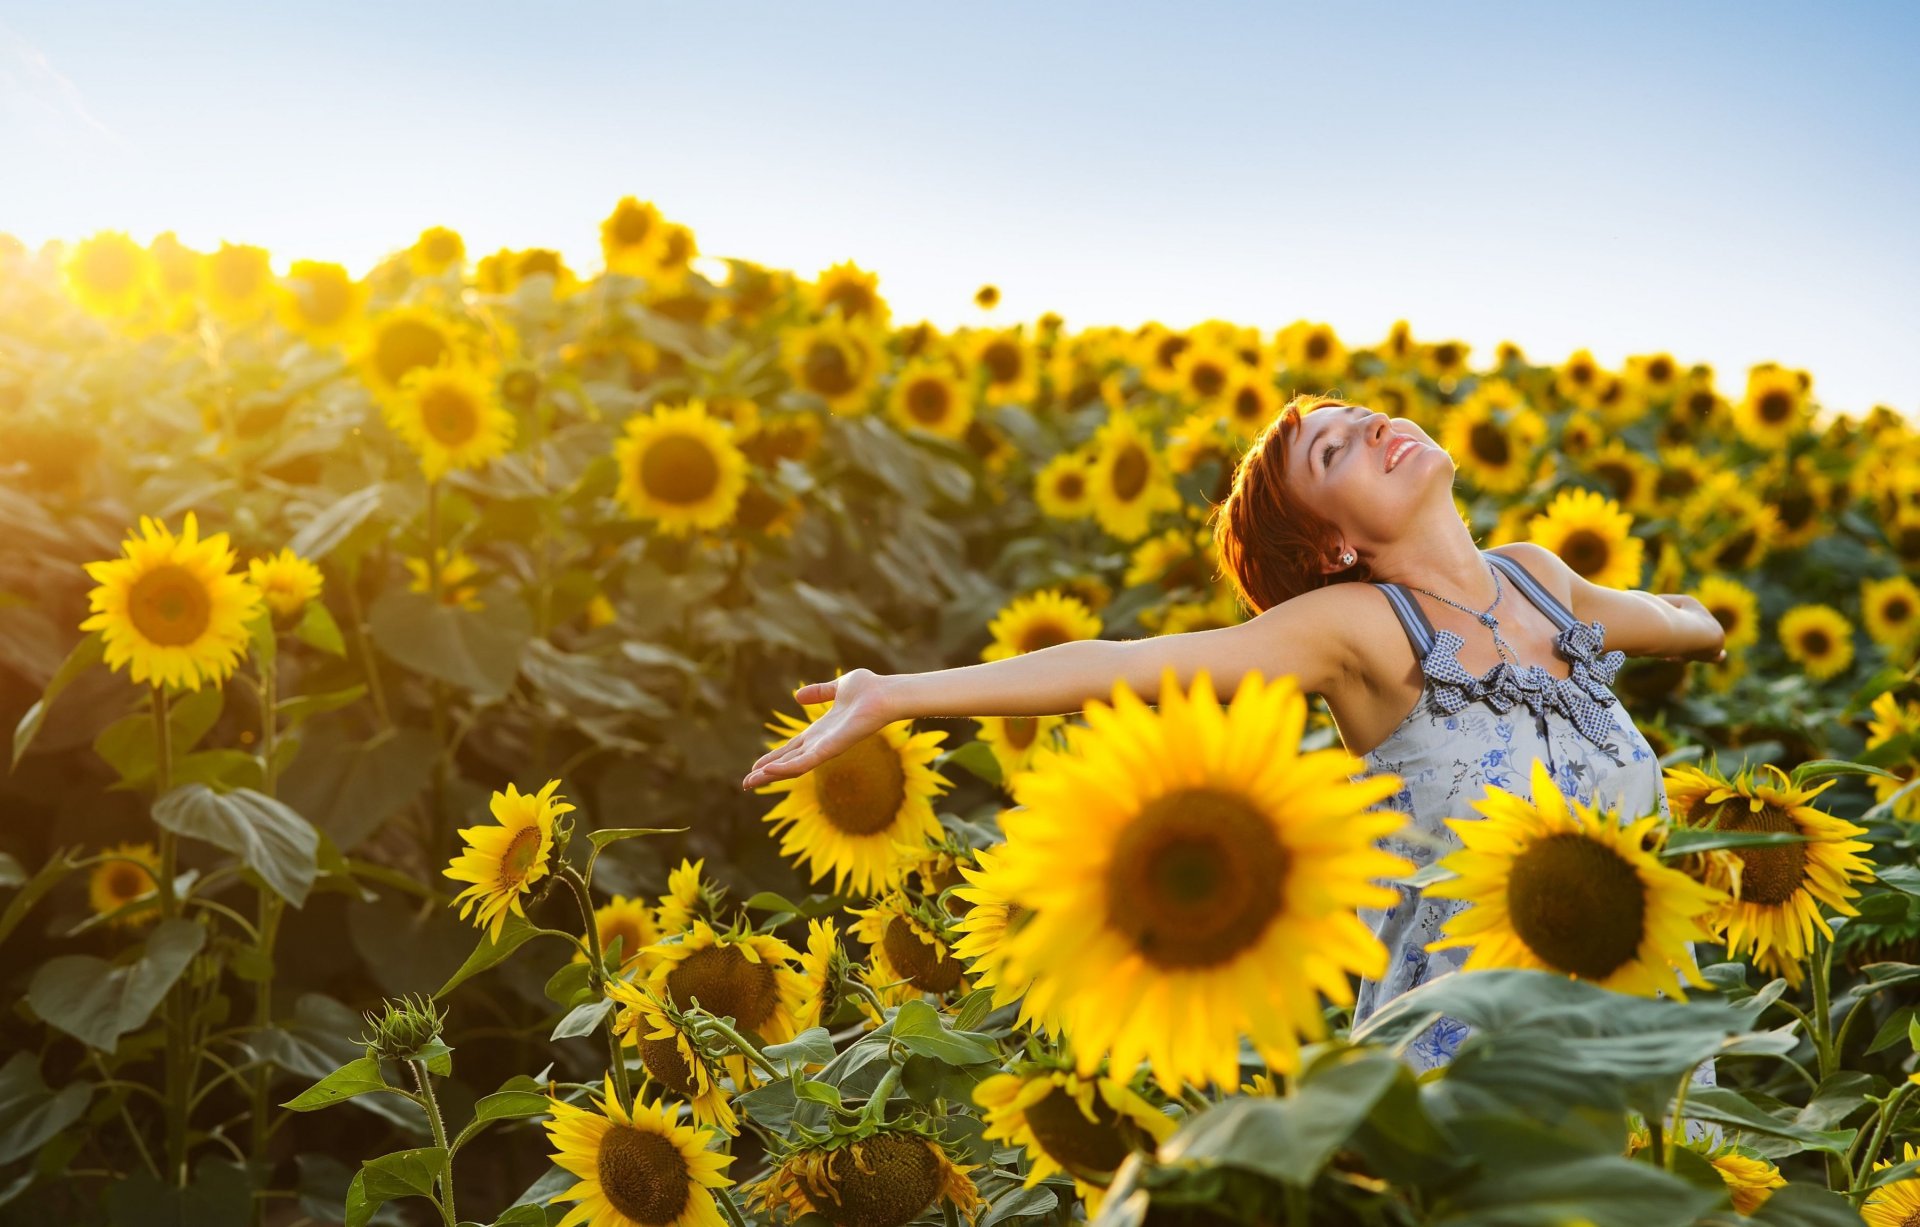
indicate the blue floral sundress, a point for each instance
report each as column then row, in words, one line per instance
column 1465, row 734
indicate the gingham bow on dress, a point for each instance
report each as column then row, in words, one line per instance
column 1583, row 696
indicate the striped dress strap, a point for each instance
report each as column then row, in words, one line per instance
column 1549, row 604
column 1414, row 619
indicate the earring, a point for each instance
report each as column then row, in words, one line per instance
column 1347, row 558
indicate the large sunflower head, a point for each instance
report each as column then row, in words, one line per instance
column 503, row 862
column 835, row 360
column 628, row 925
column 172, row 607
column 825, row 967
column 437, row 250
column 680, row 468
column 638, row 1169
column 631, row 236
column 908, row 945
column 748, row 977
column 1560, row 885
column 1819, row 638
column 1039, row 620
column 1131, row 480
column 236, row 282
column 689, row 897
column 864, row 815
column 1781, row 886
column 451, row 416
column 1896, row 1203
column 401, row 341
column 851, row 293
column 1890, row 608
column 285, row 580
column 882, row 1176
column 928, row 396
column 321, row 302
column 1593, row 536
column 1085, row 1127
column 108, row 274
column 670, row 1053
column 130, row 872
column 1192, row 877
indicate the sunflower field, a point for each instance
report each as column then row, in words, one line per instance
column 382, row 656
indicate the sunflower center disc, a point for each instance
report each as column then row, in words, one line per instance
column 895, row 1179
column 169, row 606
column 1768, row 876
column 1585, row 552
column 914, row 959
column 1208, row 380
column 1043, row 635
column 643, row 1175
column 127, row 883
column 450, row 416
column 404, row 346
column 1129, row 473
column 861, row 790
column 1002, row 362
column 1195, row 879
column 1489, row 443
column 1086, row 1148
column 726, row 984
column 667, row 1066
column 517, row 860
column 1020, row 731
column 631, row 227
column 1577, row 905
column 677, row 469
column 927, row 401
column 1816, row 643
column 828, row 371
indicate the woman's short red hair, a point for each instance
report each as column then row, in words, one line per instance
column 1271, row 544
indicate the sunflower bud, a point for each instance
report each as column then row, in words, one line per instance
column 403, row 1028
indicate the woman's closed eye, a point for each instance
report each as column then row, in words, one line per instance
column 1326, row 453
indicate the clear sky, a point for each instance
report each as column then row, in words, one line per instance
column 1731, row 182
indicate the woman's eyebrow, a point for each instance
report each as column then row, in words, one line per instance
column 1318, row 433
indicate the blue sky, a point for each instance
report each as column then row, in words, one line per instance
column 1731, row 182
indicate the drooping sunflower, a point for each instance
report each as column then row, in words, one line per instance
column 837, row 361
column 1013, row 739
column 1818, row 638
column 671, row 1055
column 456, row 572
column 824, row 965
column 133, row 874
column 286, row 581
column 864, row 814
column 689, row 897
column 982, row 931
column 1495, row 447
column 987, row 297
column 108, row 274
column 503, row 862
column 1130, row 478
column 401, row 341
column 452, row 418
column 852, row 293
column 236, row 282
column 880, row 1176
column 631, row 235
column 1782, row 886
column 1192, row 877
column 746, row 976
column 1734, row 606
column 928, row 396
column 1774, row 409
column 680, row 468
column 1560, row 885
column 1064, row 487
column 1085, row 1127
column 437, row 250
column 1592, row 535
column 172, row 607
column 1890, row 610
column 631, row 923
column 1750, row 1179
column 1896, row 1203
column 321, row 302
column 908, row 943
column 1892, row 718
column 1039, row 620
column 638, row 1169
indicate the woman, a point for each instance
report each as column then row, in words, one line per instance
column 1450, row 666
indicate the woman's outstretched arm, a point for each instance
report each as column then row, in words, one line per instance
column 1307, row 637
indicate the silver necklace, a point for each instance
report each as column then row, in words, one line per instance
column 1484, row 616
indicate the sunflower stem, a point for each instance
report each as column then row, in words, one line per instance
column 440, row 835
column 725, row 1198
column 597, row 978
column 1888, row 1111
column 177, row 1073
column 1822, row 967
column 1679, row 1116
column 746, row 1047
column 424, row 1080
column 876, row 1109
column 1298, row 1212
column 269, row 926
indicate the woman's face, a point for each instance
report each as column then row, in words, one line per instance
column 1339, row 467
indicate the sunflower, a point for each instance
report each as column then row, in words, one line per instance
column 1782, row 886
column 1799, row 494
column 172, row 606
column 451, row 416
column 401, row 341
column 1817, row 637
column 127, row 872
column 1734, row 606
column 1312, row 352
column 1013, row 739
column 1569, row 888
column 1627, row 475
column 1896, row 1203
column 321, row 302
column 1180, row 559
column 1681, row 471
column 176, row 269
column 865, row 813
column 1580, row 434
column 1774, row 410
column 631, row 923
column 1039, row 620
column 236, row 282
column 1592, row 535
column 1750, row 1179
column 1064, row 487
column 748, row 977
column 455, row 570
column 1219, row 610
column 670, row 1054
column 834, row 360
column 851, row 293
column 1206, row 370
column 1891, row 719
column 108, row 274
column 1192, row 877
column 507, row 270
column 1085, row 1127
column 824, row 966
column 503, row 862
column 1890, row 610
column 1576, row 379
column 688, row 897
column 1731, row 526
column 1251, row 402
column 987, row 297
column 1495, row 446
column 681, row 468
column 907, row 943
column 638, row 1169
column 982, row 930
column 1130, row 478
column 435, row 251
column 886, row 1175
column 285, row 580
column 928, row 396
column 631, row 236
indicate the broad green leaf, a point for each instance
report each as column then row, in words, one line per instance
column 98, row 1002
column 1683, row 842
column 318, row 630
column 357, row 1077
column 975, row 757
column 351, row 788
column 406, row 1173
column 583, row 1019
column 510, row 1105
column 265, row 833
column 814, row 1046
column 566, row 984
column 575, row 680
column 304, row 707
column 1903, row 878
column 1819, row 768
column 86, row 654
column 219, row 1195
column 1800, row 1204
column 919, row 1026
column 1288, row 1140
column 31, row 1113
column 1725, row 1106
column 1534, row 1179
column 49, row 875
column 476, row 650
column 332, row 523
column 515, row 933
column 127, row 743
column 602, row 838
column 818, row 1092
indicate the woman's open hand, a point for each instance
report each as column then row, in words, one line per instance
column 859, row 710
column 1680, row 600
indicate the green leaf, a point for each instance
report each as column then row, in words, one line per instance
column 1818, row 768
column 510, row 1105
column 814, row 1046
column 583, row 1019
column 405, row 1173
column 1799, row 1204
column 97, row 1002
column 1533, row 1178
column 818, row 1092
column 577, row 680
column 265, row 833
column 58, row 866
column 260, row 633
column 919, row 1026
column 317, row 629
column 975, row 757
column 220, row 1195
column 351, row 788
column 317, row 537
column 476, row 650
column 356, row 1077
column 1903, row 878
column 295, row 711
column 127, row 743
column 1682, row 842
column 602, row 838
column 566, row 984
column 515, row 933
column 1288, row 1140
column 1724, row 1106
column 30, row 1112
column 86, row 654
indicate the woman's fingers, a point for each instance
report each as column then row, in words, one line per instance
column 816, row 692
